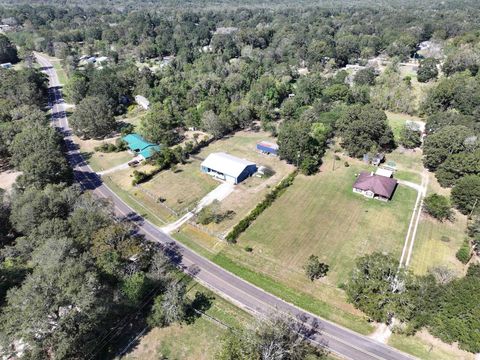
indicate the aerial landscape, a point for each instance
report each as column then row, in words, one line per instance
column 255, row 180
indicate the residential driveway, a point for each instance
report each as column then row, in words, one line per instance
column 219, row 193
column 119, row 167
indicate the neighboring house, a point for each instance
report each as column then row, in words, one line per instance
column 267, row 147
column 6, row 65
column 141, row 147
column 375, row 186
column 227, row 167
column 142, row 101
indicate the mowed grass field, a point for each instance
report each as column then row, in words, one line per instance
column 317, row 215
column 437, row 242
column 321, row 215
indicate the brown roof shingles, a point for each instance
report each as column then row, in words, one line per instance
column 379, row 185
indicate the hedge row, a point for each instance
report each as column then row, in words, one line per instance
column 233, row 235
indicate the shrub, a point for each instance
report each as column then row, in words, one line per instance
column 464, row 253
column 437, row 206
column 314, row 269
column 248, row 249
column 140, row 177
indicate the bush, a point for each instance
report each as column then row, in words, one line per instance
column 212, row 213
column 233, row 235
column 314, row 269
column 248, row 249
column 437, row 206
column 140, row 177
column 119, row 145
column 410, row 137
column 464, row 253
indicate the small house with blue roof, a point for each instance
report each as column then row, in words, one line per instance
column 139, row 146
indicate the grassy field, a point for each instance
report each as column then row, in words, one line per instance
column 425, row 346
column 197, row 341
column 437, row 242
column 396, row 122
column 100, row 161
column 181, row 188
column 321, row 215
column 317, row 215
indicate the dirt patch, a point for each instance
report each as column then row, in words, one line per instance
column 7, row 178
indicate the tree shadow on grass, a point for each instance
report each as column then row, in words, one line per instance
column 200, row 303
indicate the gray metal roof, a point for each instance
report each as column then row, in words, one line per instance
column 226, row 164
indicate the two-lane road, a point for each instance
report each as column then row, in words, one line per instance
column 338, row 339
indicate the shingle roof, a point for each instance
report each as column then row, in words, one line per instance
column 379, row 185
column 226, row 164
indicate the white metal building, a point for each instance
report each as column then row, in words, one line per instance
column 228, row 167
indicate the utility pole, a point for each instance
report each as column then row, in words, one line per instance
column 473, row 208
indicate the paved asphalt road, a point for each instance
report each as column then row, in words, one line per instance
column 343, row 342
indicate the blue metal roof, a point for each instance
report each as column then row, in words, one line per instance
column 149, row 151
column 138, row 144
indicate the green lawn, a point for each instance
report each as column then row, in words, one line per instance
column 321, row 215
column 183, row 188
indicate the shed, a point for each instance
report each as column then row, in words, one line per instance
column 267, row 147
column 142, row 101
column 384, row 172
column 378, row 159
column 138, row 145
column 375, row 186
column 228, row 167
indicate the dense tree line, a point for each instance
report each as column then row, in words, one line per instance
column 84, row 271
column 446, row 305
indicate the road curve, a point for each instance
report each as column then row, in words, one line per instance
column 339, row 340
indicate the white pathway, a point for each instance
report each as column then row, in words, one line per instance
column 383, row 331
column 415, row 219
column 219, row 193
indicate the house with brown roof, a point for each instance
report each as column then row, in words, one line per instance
column 375, row 186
